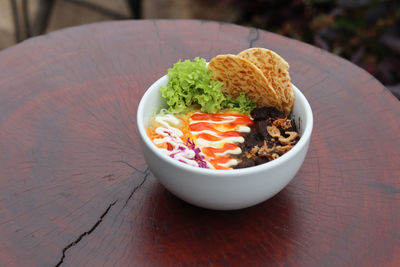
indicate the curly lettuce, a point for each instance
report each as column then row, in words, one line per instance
column 241, row 104
column 190, row 84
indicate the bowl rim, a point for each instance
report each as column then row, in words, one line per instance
column 306, row 135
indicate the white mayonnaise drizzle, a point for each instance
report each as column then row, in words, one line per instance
column 232, row 162
column 164, row 119
column 201, row 142
column 243, row 129
column 216, row 144
column 186, row 155
column 235, row 151
column 227, row 119
column 172, row 136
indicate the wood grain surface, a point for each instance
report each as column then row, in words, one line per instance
column 75, row 190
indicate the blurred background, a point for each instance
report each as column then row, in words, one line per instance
column 366, row 32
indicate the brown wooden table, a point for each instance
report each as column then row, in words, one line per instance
column 75, row 190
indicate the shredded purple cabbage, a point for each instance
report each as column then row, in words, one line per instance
column 198, row 157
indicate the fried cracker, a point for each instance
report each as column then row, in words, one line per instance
column 276, row 71
column 240, row 75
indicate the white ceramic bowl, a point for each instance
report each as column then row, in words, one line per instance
column 223, row 189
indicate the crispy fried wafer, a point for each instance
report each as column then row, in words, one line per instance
column 275, row 69
column 240, row 75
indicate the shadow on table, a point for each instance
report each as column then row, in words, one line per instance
column 186, row 234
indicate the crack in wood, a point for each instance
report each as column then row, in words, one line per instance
column 146, row 172
column 136, row 188
column 155, row 24
column 129, row 165
column 396, row 235
column 386, row 188
column 253, row 39
column 84, row 234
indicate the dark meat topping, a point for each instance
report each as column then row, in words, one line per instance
column 265, row 113
column 270, row 137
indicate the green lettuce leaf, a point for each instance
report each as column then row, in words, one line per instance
column 241, row 103
column 190, row 84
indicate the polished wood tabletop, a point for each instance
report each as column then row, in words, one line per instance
column 76, row 191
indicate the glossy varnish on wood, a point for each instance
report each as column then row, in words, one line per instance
column 75, row 190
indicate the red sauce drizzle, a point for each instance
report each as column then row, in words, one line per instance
column 221, row 131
